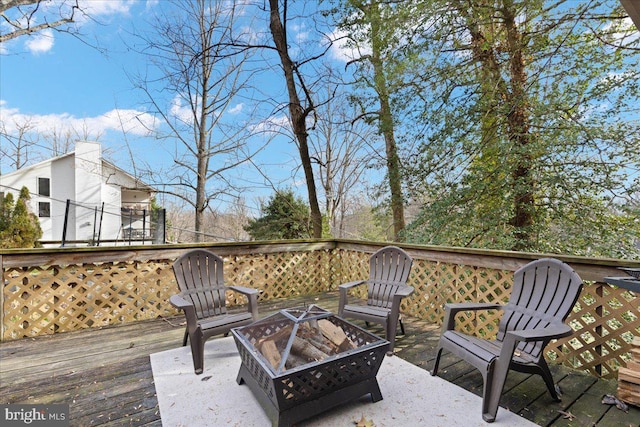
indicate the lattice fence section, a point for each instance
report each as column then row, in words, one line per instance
column 59, row 298
column 605, row 320
column 436, row 284
column 281, row 275
column 349, row 266
column 55, row 298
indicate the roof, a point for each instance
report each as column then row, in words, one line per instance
column 130, row 182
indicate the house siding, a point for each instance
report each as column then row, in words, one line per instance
column 87, row 181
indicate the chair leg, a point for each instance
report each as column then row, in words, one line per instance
column 496, row 375
column 197, row 351
column 401, row 326
column 545, row 373
column 434, row 371
column 186, row 336
column 390, row 331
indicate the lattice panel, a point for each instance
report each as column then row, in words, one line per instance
column 59, row 298
column 605, row 320
column 49, row 299
column 349, row 266
column 281, row 275
column 55, row 298
column 438, row 283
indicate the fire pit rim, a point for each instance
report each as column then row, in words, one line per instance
column 376, row 341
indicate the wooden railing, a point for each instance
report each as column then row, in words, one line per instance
column 48, row 291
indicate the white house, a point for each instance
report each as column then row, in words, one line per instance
column 80, row 197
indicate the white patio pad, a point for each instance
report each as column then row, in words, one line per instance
column 411, row 396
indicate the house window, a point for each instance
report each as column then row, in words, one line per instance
column 44, row 187
column 44, row 209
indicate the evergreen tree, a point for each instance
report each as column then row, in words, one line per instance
column 285, row 216
column 19, row 228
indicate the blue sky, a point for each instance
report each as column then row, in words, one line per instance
column 56, row 82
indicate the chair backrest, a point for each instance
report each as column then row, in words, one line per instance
column 199, row 274
column 544, row 292
column 389, row 269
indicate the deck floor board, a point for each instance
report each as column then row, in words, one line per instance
column 104, row 374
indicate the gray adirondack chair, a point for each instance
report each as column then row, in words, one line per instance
column 202, row 297
column 389, row 270
column 544, row 293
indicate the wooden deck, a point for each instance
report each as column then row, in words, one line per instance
column 105, row 374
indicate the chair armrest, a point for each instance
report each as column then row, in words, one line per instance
column 252, row 297
column 243, row 290
column 189, row 310
column 344, row 289
column 454, row 308
column 543, row 334
column 178, row 302
column 404, row 291
column 350, row 285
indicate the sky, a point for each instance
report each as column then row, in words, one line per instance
column 55, row 81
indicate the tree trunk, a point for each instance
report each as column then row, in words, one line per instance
column 298, row 114
column 508, row 103
column 387, row 130
column 520, row 137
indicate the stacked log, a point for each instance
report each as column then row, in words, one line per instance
column 314, row 341
column 629, row 377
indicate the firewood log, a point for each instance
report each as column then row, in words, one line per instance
column 271, row 353
column 336, row 335
column 293, row 361
column 307, row 350
column 276, row 336
column 322, row 346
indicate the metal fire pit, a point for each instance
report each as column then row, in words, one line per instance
column 289, row 395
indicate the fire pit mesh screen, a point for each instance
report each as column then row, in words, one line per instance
column 288, row 375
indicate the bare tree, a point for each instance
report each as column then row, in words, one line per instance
column 18, row 143
column 342, row 152
column 23, row 17
column 299, row 110
column 375, row 35
column 191, row 49
column 62, row 140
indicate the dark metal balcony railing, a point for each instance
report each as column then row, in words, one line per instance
column 48, row 291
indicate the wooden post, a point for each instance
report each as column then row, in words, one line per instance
column 598, row 329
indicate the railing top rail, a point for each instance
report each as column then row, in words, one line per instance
column 595, row 269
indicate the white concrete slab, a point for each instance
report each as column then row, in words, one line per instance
column 411, row 396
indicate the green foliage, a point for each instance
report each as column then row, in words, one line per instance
column 19, row 228
column 557, row 143
column 285, row 216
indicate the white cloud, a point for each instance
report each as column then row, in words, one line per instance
column 272, row 125
column 180, row 112
column 237, row 109
column 150, row 4
column 131, row 121
column 98, row 8
column 342, row 51
column 622, row 32
column 40, row 42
